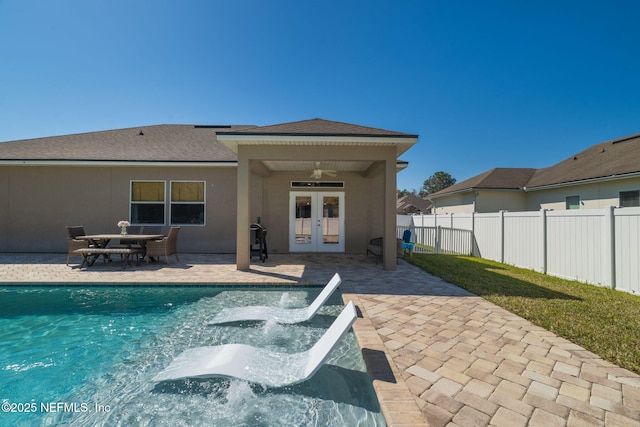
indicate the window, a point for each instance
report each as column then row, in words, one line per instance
column 572, row 202
column 187, row 202
column 629, row 199
column 147, row 202
column 334, row 184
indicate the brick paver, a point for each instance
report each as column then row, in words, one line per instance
column 437, row 354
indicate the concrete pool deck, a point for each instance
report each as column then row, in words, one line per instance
column 438, row 355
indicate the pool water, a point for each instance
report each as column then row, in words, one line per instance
column 86, row 356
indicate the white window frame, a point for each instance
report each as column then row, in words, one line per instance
column 567, row 205
column 627, row 192
column 163, row 203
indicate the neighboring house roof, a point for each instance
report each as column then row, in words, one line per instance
column 411, row 204
column 607, row 160
column 158, row 143
column 495, row 179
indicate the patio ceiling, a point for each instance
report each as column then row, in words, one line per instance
column 304, row 166
column 364, row 167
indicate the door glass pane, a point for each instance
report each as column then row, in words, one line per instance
column 303, row 220
column 330, row 220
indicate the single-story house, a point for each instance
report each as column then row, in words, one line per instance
column 605, row 174
column 315, row 185
column 410, row 204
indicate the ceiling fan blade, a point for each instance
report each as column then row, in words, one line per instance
column 330, row 173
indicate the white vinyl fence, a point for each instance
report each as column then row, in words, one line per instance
column 597, row 246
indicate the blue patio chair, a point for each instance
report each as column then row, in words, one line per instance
column 407, row 245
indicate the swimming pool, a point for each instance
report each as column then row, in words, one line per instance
column 86, row 355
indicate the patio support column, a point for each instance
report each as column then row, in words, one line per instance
column 243, row 254
column 390, row 244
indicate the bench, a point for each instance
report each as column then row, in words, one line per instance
column 375, row 248
column 96, row 252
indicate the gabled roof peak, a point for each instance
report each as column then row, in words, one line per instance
column 318, row 127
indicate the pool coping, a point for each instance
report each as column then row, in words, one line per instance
column 397, row 403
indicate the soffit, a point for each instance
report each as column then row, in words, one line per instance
column 303, row 166
column 232, row 142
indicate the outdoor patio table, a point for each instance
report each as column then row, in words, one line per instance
column 102, row 241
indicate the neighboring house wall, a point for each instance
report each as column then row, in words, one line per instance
column 40, row 201
column 500, row 200
column 595, row 195
column 592, row 196
column 481, row 201
column 456, row 203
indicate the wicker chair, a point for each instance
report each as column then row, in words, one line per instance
column 165, row 247
column 73, row 243
column 151, row 229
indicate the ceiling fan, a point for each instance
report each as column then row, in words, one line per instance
column 317, row 172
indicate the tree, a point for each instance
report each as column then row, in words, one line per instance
column 436, row 182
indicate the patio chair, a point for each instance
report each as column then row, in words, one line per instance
column 277, row 314
column 74, row 231
column 151, row 229
column 164, row 247
column 407, row 245
column 257, row 365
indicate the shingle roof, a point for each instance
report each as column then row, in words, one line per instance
column 318, row 127
column 172, row 143
column 410, row 203
column 168, row 143
column 607, row 159
column 498, row 178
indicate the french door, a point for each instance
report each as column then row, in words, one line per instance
column 316, row 221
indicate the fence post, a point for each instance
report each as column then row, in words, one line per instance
column 472, row 237
column 543, row 243
column 609, row 243
column 438, row 237
column 502, row 237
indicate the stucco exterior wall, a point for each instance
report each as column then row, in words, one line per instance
column 362, row 219
column 496, row 200
column 596, row 195
column 37, row 202
column 456, row 203
column 592, row 196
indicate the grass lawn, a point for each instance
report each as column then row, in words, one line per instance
column 604, row 321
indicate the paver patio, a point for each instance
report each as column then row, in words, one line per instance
column 437, row 354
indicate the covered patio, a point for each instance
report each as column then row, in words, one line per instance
column 274, row 161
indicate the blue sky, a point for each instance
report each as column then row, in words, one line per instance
column 484, row 83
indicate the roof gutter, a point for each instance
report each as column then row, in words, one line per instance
column 464, row 190
column 116, row 163
column 472, row 189
column 583, row 181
